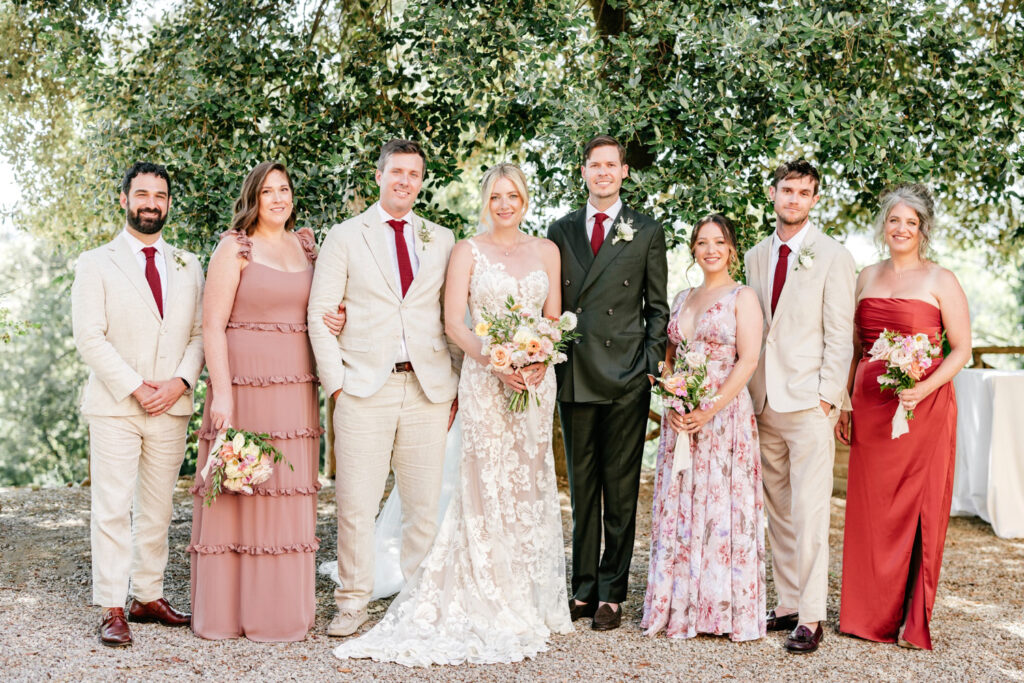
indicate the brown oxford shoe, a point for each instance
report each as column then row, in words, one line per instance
column 114, row 631
column 581, row 611
column 606, row 618
column 802, row 641
column 159, row 611
column 787, row 622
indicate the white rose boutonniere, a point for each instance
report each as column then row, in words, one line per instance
column 179, row 259
column 624, row 231
column 425, row 234
column 804, row 259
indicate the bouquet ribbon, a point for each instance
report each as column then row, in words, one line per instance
column 899, row 422
column 680, row 454
column 214, row 449
column 531, row 414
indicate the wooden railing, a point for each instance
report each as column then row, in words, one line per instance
column 978, row 351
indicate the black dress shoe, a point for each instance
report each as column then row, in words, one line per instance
column 606, row 618
column 580, row 611
column 802, row 641
column 784, row 623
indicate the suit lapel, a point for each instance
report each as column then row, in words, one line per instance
column 790, row 290
column 123, row 258
column 577, row 240
column 424, row 252
column 608, row 251
column 174, row 280
column 764, row 262
column 376, row 234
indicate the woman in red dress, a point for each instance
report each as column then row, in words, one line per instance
column 899, row 490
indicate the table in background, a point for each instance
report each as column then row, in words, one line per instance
column 989, row 477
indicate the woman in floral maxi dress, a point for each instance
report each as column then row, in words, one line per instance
column 707, row 572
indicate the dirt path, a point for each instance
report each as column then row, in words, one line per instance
column 47, row 628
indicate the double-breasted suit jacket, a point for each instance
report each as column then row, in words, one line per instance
column 619, row 299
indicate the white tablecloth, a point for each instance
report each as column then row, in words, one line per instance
column 989, row 476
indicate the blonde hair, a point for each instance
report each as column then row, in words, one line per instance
column 503, row 170
column 918, row 198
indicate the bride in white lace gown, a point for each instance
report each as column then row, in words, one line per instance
column 492, row 588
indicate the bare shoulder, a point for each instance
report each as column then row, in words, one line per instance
column 462, row 248
column 944, row 281
column 545, row 247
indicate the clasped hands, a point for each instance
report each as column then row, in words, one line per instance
column 527, row 376
column 156, row 398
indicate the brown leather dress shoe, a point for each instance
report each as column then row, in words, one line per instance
column 783, row 623
column 577, row 611
column 159, row 611
column 114, row 631
column 606, row 618
column 802, row 641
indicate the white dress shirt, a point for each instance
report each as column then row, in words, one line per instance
column 793, row 243
column 160, row 259
column 410, row 244
column 612, row 212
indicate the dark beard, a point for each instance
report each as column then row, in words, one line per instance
column 146, row 225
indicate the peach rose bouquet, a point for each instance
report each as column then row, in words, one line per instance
column 906, row 358
column 239, row 461
column 517, row 336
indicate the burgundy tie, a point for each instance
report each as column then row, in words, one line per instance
column 597, row 236
column 781, row 268
column 153, row 278
column 402, row 249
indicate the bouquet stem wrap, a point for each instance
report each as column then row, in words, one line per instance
column 214, row 448
column 532, row 401
column 681, row 454
column 900, row 426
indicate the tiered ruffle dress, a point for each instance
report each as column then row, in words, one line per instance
column 253, row 556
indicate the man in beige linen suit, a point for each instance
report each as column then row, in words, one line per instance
column 137, row 319
column 805, row 282
column 392, row 371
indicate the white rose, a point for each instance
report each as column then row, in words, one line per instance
column 568, row 321
column 694, row 359
column 238, row 443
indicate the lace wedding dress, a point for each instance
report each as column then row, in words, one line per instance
column 492, row 588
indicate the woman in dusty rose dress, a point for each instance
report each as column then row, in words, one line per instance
column 899, row 492
column 253, row 570
column 707, row 571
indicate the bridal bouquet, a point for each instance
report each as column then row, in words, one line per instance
column 685, row 389
column 517, row 337
column 906, row 357
column 238, row 461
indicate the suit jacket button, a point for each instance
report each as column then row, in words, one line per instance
column 577, row 340
column 609, row 311
column 579, row 310
column 566, row 283
column 607, row 342
column 625, row 283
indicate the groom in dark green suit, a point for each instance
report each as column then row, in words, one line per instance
column 613, row 279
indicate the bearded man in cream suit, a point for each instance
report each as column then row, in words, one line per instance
column 392, row 371
column 805, row 282
column 136, row 308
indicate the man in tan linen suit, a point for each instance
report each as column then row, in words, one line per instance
column 137, row 318
column 805, row 281
column 392, row 371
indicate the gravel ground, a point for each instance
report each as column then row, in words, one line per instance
column 47, row 628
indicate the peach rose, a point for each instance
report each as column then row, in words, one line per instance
column 501, row 359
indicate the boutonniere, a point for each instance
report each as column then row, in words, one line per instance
column 624, row 231
column 425, row 233
column 179, row 258
column 804, row 259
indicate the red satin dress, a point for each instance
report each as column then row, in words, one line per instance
column 899, row 491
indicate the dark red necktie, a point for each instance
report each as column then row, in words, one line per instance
column 402, row 249
column 781, row 268
column 597, row 236
column 153, row 278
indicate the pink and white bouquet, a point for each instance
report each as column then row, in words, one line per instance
column 517, row 337
column 906, row 357
column 685, row 389
column 239, row 461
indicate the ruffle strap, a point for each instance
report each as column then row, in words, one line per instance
column 199, row 489
column 269, row 327
column 219, row 549
column 244, row 243
column 252, row 381
column 209, row 433
column 308, row 241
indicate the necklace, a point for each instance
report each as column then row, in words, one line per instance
column 507, row 250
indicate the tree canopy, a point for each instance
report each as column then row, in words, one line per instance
column 708, row 97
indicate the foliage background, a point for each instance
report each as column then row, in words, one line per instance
column 708, row 96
